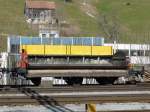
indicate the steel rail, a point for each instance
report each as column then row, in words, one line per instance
column 55, row 100
column 47, row 96
column 84, row 88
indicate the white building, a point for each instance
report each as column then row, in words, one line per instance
column 138, row 53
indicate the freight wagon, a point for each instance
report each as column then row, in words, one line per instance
column 70, row 58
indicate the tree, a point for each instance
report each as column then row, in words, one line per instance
column 110, row 27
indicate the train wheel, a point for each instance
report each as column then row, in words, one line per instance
column 36, row 81
column 73, row 80
column 106, row 80
column 69, row 81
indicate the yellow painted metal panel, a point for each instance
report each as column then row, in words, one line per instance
column 68, row 49
column 55, row 50
column 81, row 50
column 35, row 49
column 102, row 51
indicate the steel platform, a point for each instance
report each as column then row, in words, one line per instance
column 76, row 73
column 76, row 66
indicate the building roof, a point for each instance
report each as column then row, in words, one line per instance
column 40, row 4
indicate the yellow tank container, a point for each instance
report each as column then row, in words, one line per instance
column 55, row 50
column 81, row 50
column 102, row 51
column 34, row 49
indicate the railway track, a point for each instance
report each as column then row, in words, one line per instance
column 76, row 88
column 67, row 95
column 45, row 100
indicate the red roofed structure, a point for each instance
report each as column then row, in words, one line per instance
column 40, row 5
column 40, row 11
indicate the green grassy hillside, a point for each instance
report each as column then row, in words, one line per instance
column 12, row 20
column 132, row 15
column 124, row 20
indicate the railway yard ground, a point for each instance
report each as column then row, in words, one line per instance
column 75, row 108
column 80, row 44
column 113, row 98
column 74, row 56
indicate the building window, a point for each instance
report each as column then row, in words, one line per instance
column 147, row 53
column 44, row 35
column 51, row 35
column 137, row 53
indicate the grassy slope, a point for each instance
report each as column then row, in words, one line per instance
column 73, row 13
column 12, row 20
column 133, row 19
